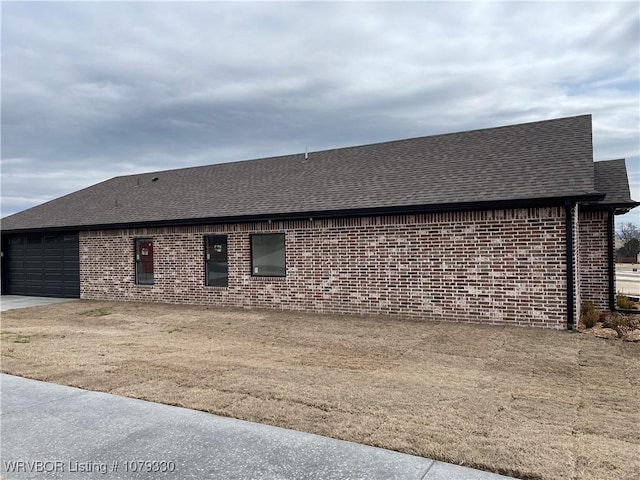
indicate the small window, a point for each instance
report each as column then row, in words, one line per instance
column 267, row 255
column 216, row 261
column 144, row 261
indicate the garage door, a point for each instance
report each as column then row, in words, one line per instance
column 45, row 265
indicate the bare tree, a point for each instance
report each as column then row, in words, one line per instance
column 628, row 231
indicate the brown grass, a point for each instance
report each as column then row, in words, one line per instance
column 523, row 402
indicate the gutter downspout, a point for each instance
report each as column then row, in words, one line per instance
column 568, row 215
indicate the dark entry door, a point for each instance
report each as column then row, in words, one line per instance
column 45, row 265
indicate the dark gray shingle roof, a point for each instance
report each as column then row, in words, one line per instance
column 546, row 159
column 610, row 178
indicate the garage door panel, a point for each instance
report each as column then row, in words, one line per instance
column 53, row 264
column 19, row 276
column 70, row 290
column 20, row 284
column 33, row 264
column 43, row 264
column 34, row 289
column 15, row 265
column 53, row 291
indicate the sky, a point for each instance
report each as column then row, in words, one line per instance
column 93, row 90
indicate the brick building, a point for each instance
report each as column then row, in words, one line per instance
column 508, row 225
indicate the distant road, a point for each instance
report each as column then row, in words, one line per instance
column 628, row 279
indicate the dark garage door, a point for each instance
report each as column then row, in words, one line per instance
column 45, row 265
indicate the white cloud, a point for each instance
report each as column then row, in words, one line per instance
column 103, row 89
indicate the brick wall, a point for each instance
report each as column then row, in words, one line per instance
column 499, row 267
column 594, row 274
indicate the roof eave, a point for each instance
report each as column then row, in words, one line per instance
column 619, row 208
column 338, row 213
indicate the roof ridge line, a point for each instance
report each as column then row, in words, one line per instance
column 363, row 145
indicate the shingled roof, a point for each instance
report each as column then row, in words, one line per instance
column 530, row 162
column 611, row 179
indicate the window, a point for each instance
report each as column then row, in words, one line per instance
column 267, row 255
column 216, row 261
column 144, row 261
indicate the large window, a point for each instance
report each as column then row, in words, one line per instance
column 144, row 261
column 267, row 255
column 216, row 261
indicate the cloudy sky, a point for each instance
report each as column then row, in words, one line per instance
column 92, row 90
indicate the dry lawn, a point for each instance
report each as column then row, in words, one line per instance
column 522, row 402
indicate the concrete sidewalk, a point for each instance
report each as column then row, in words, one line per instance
column 53, row 431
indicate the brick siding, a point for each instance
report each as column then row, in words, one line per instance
column 594, row 274
column 497, row 267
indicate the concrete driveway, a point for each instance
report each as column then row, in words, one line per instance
column 10, row 302
column 53, row 431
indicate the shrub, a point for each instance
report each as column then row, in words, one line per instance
column 621, row 323
column 589, row 314
column 624, row 302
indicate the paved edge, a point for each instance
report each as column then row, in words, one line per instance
column 15, row 302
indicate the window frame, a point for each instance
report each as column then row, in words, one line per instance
column 137, row 262
column 206, row 260
column 284, row 249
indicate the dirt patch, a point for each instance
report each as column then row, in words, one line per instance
column 524, row 402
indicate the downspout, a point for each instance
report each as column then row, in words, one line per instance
column 4, row 276
column 610, row 260
column 568, row 215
